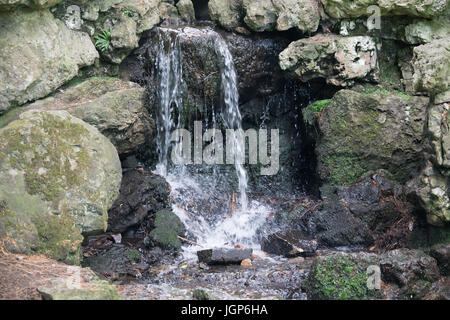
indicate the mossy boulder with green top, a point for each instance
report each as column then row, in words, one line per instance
column 58, row 178
column 361, row 132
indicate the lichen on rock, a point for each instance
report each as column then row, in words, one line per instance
column 59, row 175
column 339, row 60
column 38, row 53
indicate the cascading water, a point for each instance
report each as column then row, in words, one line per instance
column 207, row 210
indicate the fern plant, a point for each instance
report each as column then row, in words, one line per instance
column 102, row 40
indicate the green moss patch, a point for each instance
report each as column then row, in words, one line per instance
column 337, row 278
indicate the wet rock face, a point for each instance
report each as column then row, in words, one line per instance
column 289, row 243
column 59, row 176
column 371, row 212
column 339, row 60
column 255, row 60
column 368, row 130
column 38, row 53
column 409, row 272
column 352, row 9
column 141, row 196
column 224, row 256
column 441, row 252
column 405, row 274
column 115, row 107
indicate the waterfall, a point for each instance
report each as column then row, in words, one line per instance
column 199, row 200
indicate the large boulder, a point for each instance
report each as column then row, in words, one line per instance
column 141, row 196
column 360, row 132
column 431, row 64
column 404, row 274
column 339, row 60
column 352, row 9
column 39, row 278
column 121, row 22
column 115, row 107
column 268, row 15
column 425, row 30
column 229, row 14
column 58, row 178
column 35, row 4
column 38, row 53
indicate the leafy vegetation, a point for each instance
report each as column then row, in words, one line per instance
column 319, row 105
column 128, row 12
column 102, row 40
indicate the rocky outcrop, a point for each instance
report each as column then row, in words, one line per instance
column 353, row 9
column 360, row 132
column 121, row 21
column 268, row 15
column 141, row 196
column 339, row 60
column 59, row 176
column 431, row 64
column 40, row 278
column 7, row 5
column 229, row 14
column 115, row 107
column 430, row 189
column 425, row 30
column 404, row 274
column 186, row 10
column 38, row 54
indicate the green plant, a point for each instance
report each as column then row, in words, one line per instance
column 319, row 105
column 102, row 40
column 128, row 12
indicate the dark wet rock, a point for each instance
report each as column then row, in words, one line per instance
column 141, row 196
column 224, row 256
column 117, row 262
column 440, row 290
column 167, row 229
column 255, row 59
column 409, row 272
column 289, row 243
column 441, row 252
column 371, row 212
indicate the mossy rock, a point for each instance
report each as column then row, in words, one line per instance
column 165, row 238
column 167, row 219
column 340, row 277
column 361, row 132
column 58, row 177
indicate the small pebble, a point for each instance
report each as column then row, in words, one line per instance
column 246, row 263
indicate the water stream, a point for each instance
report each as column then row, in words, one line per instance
column 214, row 214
